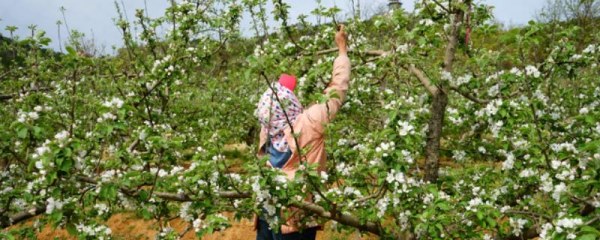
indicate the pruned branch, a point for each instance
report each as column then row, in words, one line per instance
column 345, row 219
column 423, row 79
column 22, row 216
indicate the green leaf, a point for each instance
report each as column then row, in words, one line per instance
column 491, row 222
column 109, row 192
column 71, row 229
column 443, row 206
column 146, row 214
column 7, row 236
column 71, row 51
column 66, row 165
column 590, row 146
column 143, row 195
column 439, row 227
column 36, row 131
column 22, row 133
column 588, row 229
column 589, row 236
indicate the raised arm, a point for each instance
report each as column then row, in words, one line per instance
column 322, row 113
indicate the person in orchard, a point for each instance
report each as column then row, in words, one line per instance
column 281, row 116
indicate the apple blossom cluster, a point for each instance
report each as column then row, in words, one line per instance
column 53, row 204
column 532, row 71
column 96, row 231
column 405, row 128
column 517, row 225
column 265, row 201
column 113, row 103
column 102, row 208
column 490, row 109
column 568, row 225
column 384, row 148
column 33, row 115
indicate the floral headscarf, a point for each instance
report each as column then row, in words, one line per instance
column 271, row 114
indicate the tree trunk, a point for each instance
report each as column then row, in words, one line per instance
column 438, row 105
column 434, row 134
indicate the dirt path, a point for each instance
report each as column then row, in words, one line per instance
column 128, row 226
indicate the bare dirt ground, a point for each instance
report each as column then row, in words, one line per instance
column 128, row 226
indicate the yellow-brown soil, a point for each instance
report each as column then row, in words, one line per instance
column 128, row 226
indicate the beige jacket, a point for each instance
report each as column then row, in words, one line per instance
column 310, row 126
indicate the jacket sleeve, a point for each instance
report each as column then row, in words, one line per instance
column 322, row 113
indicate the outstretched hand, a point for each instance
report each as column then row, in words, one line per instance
column 341, row 39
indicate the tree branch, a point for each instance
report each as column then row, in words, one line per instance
column 424, row 79
column 22, row 216
column 411, row 68
column 368, row 52
column 441, row 6
column 345, row 219
column 10, row 96
column 469, row 95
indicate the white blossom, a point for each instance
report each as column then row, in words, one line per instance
column 532, row 71
column 481, row 149
column 490, row 109
column 114, row 102
column 558, row 147
column 426, row 22
column 473, row 203
column 33, row 115
column 463, row 80
column 590, row 49
column 545, row 230
column 446, row 76
column 509, row 162
column 527, row 173
column 516, row 71
column 184, row 211
column 53, row 204
column 517, row 225
column 382, row 206
column 407, row 156
column 546, row 183
column 558, row 190
column 107, row 175
column 570, row 223
column 101, row 208
column 494, row 90
column 402, row 49
column 197, row 224
column 405, row 128
column 459, row 155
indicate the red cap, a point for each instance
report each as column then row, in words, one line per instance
column 288, row 81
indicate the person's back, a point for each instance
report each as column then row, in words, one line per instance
column 306, row 133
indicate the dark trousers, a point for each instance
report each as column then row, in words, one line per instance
column 264, row 233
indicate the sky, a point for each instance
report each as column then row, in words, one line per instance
column 95, row 18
